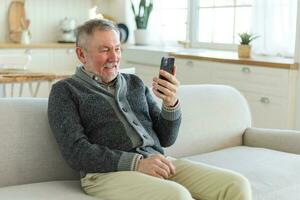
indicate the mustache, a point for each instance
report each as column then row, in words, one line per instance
column 110, row 65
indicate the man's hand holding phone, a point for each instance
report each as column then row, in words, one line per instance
column 166, row 85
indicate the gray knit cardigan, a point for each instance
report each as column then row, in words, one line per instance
column 101, row 132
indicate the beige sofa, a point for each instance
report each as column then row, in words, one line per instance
column 215, row 130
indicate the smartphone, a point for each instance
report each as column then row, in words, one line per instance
column 167, row 64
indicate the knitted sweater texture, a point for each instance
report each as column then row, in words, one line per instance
column 100, row 132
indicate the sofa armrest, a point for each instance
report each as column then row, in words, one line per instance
column 281, row 140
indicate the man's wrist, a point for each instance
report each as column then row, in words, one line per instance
column 171, row 107
column 137, row 162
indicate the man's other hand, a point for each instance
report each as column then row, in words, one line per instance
column 156, row 165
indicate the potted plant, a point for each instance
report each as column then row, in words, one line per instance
column 141, row 16
column 244, row 49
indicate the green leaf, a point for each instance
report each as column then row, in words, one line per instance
column 133, row 9
column 246, row 38
column 144, row 11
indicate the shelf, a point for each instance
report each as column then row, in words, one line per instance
column 36, row 45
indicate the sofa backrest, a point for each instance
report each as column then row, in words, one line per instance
column 213, row 117
column 29, row 152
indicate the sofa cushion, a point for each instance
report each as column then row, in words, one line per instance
column 29, row 152
column 55, row 190
column 213, row 117
column 274, row 175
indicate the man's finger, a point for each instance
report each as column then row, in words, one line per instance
column 164, row 90
column 165, row 167
column 170, row 165
column 175, row 70
column 168, row 76
column 161, row 171
column 167, row 85
column 158, row 94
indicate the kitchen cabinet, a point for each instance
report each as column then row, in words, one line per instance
column 47, row 59
column 40, row 61
column 146, row 63
column 256, row 79
column 53, row 60
column 40, row 58
column 270, row 111
column 193, row 71
column 270, row 92
column 64, row 60
column 145, row 72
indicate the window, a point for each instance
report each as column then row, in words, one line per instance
column 168, row 21
column 220, row 21
column 215, row 24
column 211, row 21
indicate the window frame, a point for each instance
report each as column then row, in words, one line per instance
column 193, row 18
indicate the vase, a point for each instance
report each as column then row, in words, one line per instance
column 141, row 37
column 244, row 51
column 25, row 37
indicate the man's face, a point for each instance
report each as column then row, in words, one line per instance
column 102, row 54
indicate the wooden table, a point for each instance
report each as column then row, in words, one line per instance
column 18, row 76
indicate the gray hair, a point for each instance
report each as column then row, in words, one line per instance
column 84, row 31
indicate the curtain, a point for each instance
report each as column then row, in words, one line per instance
column 274, row 21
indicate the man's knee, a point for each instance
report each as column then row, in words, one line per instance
column 239, row 189
column 176, row 191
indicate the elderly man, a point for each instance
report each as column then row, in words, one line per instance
column 110, row 129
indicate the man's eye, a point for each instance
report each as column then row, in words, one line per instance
column 104, row 50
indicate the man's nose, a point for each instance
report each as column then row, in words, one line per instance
column 114, row 54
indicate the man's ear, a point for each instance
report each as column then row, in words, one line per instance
column 80, row 55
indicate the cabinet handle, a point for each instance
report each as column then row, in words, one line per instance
column 246, row 70
column 265, row 100
column 190, row 63
column 28, row 51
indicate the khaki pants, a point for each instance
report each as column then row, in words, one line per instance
column 191, row 181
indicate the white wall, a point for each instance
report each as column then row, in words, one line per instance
column 45, row 16
column 120, row 11
column 113, row 8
